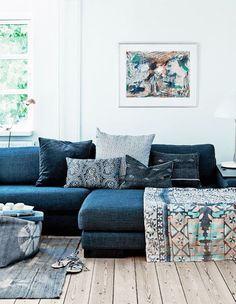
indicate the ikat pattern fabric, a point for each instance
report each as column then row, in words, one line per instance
column 139, row 176
column 190, row 224
column 93, row 173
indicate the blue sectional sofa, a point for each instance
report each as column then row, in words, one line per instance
column 111, row 221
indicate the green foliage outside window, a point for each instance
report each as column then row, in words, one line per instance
column 14, row 73
column 13, row 39
column 12, row 109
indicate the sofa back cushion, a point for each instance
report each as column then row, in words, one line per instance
column 19, row 165
column 207, row 161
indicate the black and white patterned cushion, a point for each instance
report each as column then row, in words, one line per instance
column 139, row 176
column 93, row 173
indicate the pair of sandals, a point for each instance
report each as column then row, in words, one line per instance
column 72, row 262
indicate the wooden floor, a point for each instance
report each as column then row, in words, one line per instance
column 132, row 280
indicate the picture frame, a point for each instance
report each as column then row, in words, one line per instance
column 158, row 74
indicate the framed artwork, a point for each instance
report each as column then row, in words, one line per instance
column 158, row 75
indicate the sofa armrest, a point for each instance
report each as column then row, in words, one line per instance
column 221, row 182
column 225, row 182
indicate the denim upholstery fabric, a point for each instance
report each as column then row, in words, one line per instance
column 207, row 161
column 225, row 182
column 112, row 210
column 53, row 153
column 92, row 151
column 19, row 165
column 60, row 223
column 44, row 198
column 113, row 240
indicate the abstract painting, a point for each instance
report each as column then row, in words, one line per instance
column 162, row 75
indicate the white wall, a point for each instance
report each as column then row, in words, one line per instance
column 105, row 23
column 210, row 23
column 56, row 61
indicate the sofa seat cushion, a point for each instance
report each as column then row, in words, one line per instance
column 112, row 210
column 45, row 198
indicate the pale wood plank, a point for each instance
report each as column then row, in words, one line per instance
column 148, row 290
column 27, row 301
column 71, row 237
column 170, row 285
column 124, row 282
column 62, row 297
column 80, row 285
column 193, row 286
column 7, row 301
column 215, row 284
column 228, row 271
column 102, row 283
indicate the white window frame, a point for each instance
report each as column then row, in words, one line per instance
column 27, row 130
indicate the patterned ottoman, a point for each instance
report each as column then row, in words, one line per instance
column 19, row 237
column 190, row 224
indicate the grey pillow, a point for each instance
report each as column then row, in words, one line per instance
column 93, row 173
column 185, row 170
column 109, row 146
column 139, row 176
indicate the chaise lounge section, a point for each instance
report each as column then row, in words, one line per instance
column 112, row 220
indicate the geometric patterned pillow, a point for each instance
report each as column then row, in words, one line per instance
column 93, row 173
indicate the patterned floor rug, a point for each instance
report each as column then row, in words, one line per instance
column 34, row 278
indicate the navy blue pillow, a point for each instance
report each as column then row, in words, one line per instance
column 185, row 170
column 52, row 159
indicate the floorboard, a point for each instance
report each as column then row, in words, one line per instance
column 192, row 284
column 102, row 282
column 228, row 271
column 148, row 290
column 216, row 287
column 170, row 284
column 134, row 281
column 125, row 282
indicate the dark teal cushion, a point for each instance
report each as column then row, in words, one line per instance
column 45, row 198
column 138, row 176
column 112, row 210
column 185, row 170
column 19, row 165
column 53, row 153
column 207, row 160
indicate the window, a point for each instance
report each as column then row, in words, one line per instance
column 15, row 75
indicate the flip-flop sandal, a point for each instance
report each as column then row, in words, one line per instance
column 74, row 268
column 65, row 261
column 61, row 263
